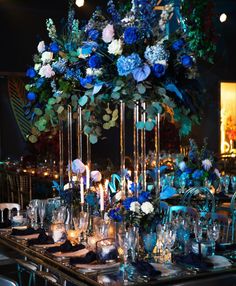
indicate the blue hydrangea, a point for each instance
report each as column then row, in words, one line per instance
column 125, row 65
column 31, row 73
column 197, row 174
column 143, row 197
column 127, row 202
column 186, row 61
column 60, row 66
column 77, row 74
column 158, row 70
column 54, row 48
column 130, row 35
column 93, row 34
column 86, row 80
column 178, row 45
column 115, row 215
column 156, row 54
column 95, row 62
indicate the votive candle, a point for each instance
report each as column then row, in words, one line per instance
column 82, row 190
column 87, row 177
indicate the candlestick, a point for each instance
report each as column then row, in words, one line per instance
column 79, row 133
column 81, row 190
column 136, row 148
column 69, row 135
column 61, row 154
column 143, row 149
column 122, row 146
column 157, row 155
column 101, row 198
column 87, row 177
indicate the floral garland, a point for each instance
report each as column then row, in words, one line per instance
column 124, row 55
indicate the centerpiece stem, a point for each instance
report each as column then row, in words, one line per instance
column 79, row 134
column 136, row 148
column 122, row 147
column 157, row 158
column 143, row 149
column 88, row 168
column 61, row 155
column 69, row 147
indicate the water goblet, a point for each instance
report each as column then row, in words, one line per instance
column 31, row 214
column 213, row 232
column 149, row 242
column 233, row 183
column 225, row 182
column 42, row 211
column 198, row 230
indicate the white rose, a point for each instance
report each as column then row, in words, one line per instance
column 182, row 166
column 135, row 207
column 96, row 176
column 46, row 71
column 46, row 57
column 108, row 33
column 115, row 47
column 41, row 47
column 37, row 67
column 147, row 207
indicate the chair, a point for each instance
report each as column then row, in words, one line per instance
column 25, row 189
column 13, row 187
column 183, row 209
column 48, row 277
column 9, row 207
column 29, row 267
column 200, row 198
column 4, row 281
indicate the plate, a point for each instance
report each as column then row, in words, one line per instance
column 78, row 253
column 97, row 267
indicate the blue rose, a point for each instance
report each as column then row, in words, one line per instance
column 186, row 61
column 31, row 96
column 93, row 34
column 95, row 62
column 54, row 48
column 130, row 35
column 31, row 73
column 127, row 202
column 115, row 215
column 197, row 174
column 143, row 197
column 178, row 45
column 85, row 81
column 159, row 70
column 140, row 74
column 39, row 82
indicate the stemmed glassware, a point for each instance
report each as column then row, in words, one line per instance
column 168, row 236
column 213, row 232
column 225, row 181
column 198, row 230
column 233, row 183
column 31, row 214
column 182, row 184
column 149, row 242
column 42, row 211
column 81, row 224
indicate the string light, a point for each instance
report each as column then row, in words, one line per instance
column 79, row 3
column 223, row 17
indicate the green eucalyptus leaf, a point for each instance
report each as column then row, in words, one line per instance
column 38, row 111
column 106, row 126
column 115, row 95
column 140, row 125
column 33, row 139
column 60, row 109
column 117, row 88
column 157, row 106
column 87, row 129
column 137, row 96
column 106, row 117
column 149, row 125
column 51, row 101
column 83, row 100
column 141, row 88
column 93, row 138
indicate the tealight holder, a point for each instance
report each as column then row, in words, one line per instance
column 73, row 236
column 58, row 232
column 106, row 250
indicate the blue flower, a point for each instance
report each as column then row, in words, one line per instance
column 140, row 74
column 125, row 65
column 39, row 82
column 115, row 215
column 31, row 73
column 186, row 61
column 86, row 80
column 93, row 34
column 54, row 48
column 31, row 96
column 159, row 70
column 95, row 62
column 143, row 197
column 130, row 35
column 197, row 174
column 126, row 203
column 188, row 170
column 69, row 74
column 60, row 66
column 134, row 187
column 178, row 45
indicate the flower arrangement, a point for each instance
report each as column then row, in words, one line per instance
column 124, row 54
column 198, row 166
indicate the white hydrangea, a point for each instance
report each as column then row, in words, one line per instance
column 156, row 54
column 96, row 72
column 207, row 164
column 135, row 207
column 46, row 71
column 115, row 47
column 47, row 57
column 147, row 208
column 37, row 67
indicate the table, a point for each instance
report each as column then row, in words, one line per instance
column 69, row 273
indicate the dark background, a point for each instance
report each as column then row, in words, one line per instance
column 22, row 25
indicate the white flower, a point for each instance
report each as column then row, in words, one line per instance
column 37, row 67
column 147, row 207
column 46, row 71
column 115, row 47
column 182, row 166
column 135, row 207
column 46, row 57
column 206, row 164
column 108, row 33
column 41, row 47
column 67, row 186
column 217, row 172
column 78, row 166
column 96, row 72
column 96, row 176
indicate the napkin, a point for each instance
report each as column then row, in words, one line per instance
column 218, row 261
column 5, row 224
column 28, row 231
column 65, row 247
column 194, row 260
column 43, row 238
column 145, row 268
column 88, row 258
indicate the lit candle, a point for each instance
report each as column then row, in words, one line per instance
column 81, row 190
column 87, row 177
column 73, row 236
column 101, row 197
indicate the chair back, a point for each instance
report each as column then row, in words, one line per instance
column 184, row 210
column 224, row 223
column 9, row 207
column 200, row 198
column 25, row 191
column 233, row 212
column 4, row 281
column 13, row 187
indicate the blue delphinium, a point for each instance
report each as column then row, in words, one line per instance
column 54, row 48
column 93, row 34
column 115, row 215
column 158, row 70
column 143, row 197
column 59, row 66
column 130, row 35
column 127, row 202
column 31, row 73
column 95, row 62
column 40, row 81
column 69, row 73
column 186, row 61
column 31, row 96
column 178, row 45
column 111, row 9
column 125, row 65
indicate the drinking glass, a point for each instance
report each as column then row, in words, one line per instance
column 198, row 229
column 233, row 183
column 182, row 184
column 149, row 242
column 81, row 224
column 225, row 180
column 42, row 211
column 213, row 232
column 31, row 214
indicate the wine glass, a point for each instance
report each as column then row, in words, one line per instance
column 198, row 230
column 81, row 224
column 31, row 214
column 182, row 184
column 213, row 232
column 149, row 242
column 225, row 180
column 42, row 211
column 233, row 183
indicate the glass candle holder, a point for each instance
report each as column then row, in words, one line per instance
column 58, row 232
column 106, row 250
column 73, row 236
